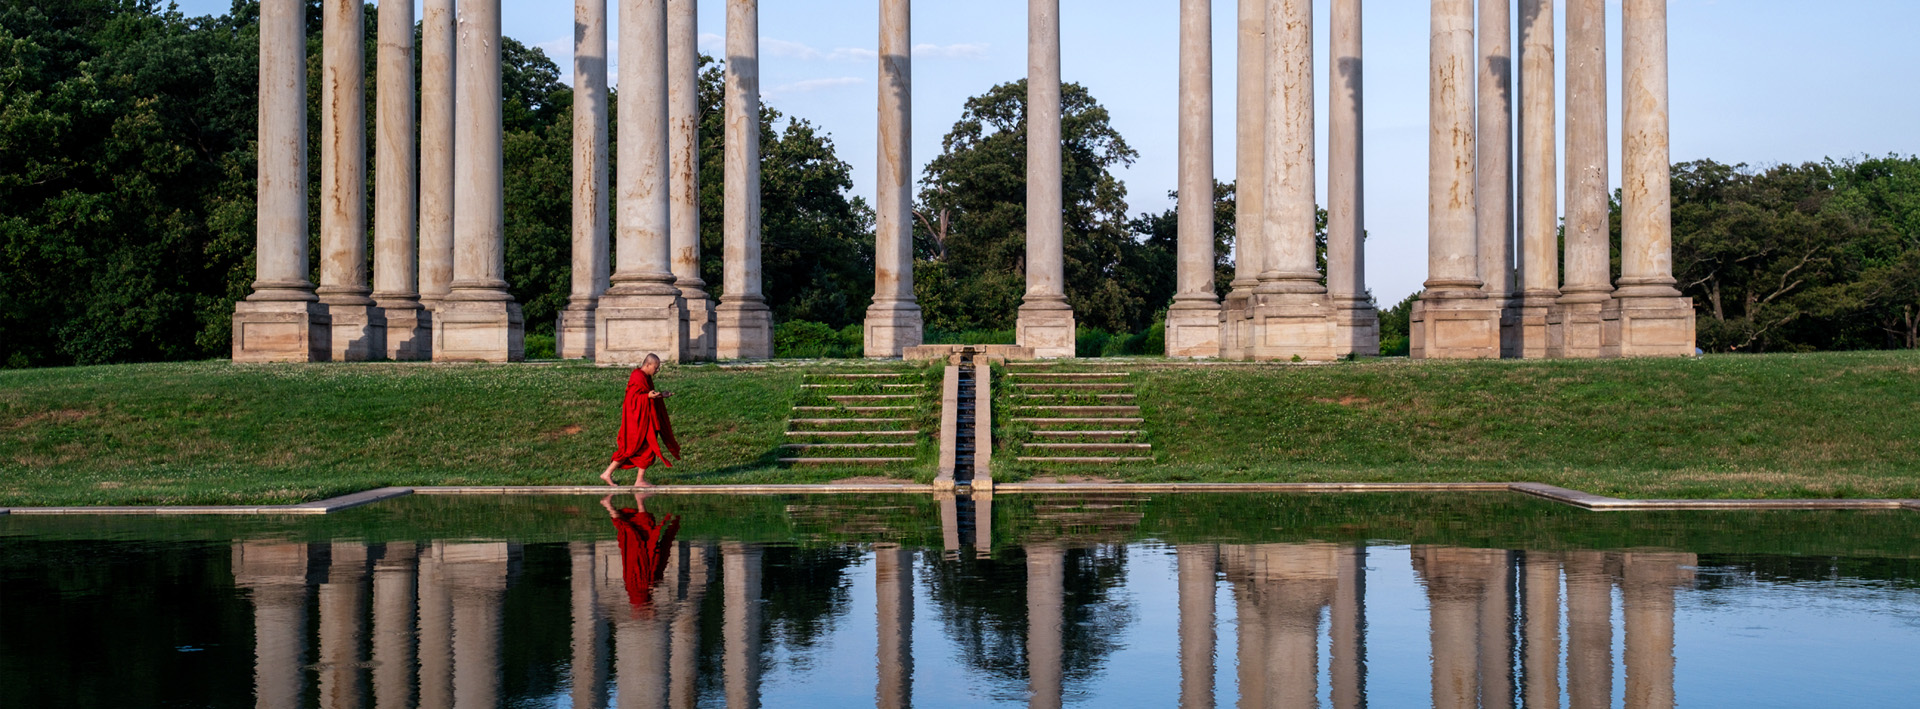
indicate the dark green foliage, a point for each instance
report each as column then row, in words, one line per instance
column 808, row 339
column 1396, row 328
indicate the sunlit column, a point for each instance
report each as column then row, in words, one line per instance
column 893, row 321
column 396, row 286
column 744, row 324
column 1574, row 329
column 394, row 581
column 1538, row 260
column 1493, row 195
column 1250, row 175
column 1193, row 322
column 1355, row 320
column 684, row 673
column 1292, row 316
column 1453, row 319
column 343, row 609
column 893, row 587
column 437, row 49
column 1046, row 589
column 436, row 630
column 1589, row 630
column 683, row 155
column 1649, row 317
column 357, row 325
column 1045, row 323
column 275, row 576
column 589, row 630
column 1647, row 585
column 476, row 574
column 574, row 337
column 642, row 313
column 1541, row 668
column 1196, row 565
column 479, row 320
column 740, row 631
column 1349, row 632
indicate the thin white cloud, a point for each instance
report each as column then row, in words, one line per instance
column 811, row 85
column 712, row 44
column 784, row 49
column 853, row 53
column 951, row 51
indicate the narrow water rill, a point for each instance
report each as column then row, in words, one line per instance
column 1093, row 599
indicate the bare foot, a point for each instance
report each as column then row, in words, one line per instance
column 641, row 479
column 608, row 476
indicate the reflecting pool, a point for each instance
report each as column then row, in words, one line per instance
column 1098, row 600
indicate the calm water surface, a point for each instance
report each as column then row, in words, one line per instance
column 1019, row 600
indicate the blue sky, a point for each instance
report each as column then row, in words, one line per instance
column 1754, row 81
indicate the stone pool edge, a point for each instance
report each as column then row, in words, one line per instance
column 1573, row 498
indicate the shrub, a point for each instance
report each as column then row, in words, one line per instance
column 808, row 339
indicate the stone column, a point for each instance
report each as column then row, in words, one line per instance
column 1046, row 596
column 642, row 313
column 393, row 629
column 437, row 49
column 276, row 577
column 343, row 608
column 740, row 629
column 1538, row 260
column 1453, row 319
column 1540, row 666
column 589, row 628
column 1349, row 631
column 1574, row 330
column 1196, row 567
column 476, row 574
column 1648, row 317
column 893, row 321
column 893, row 613
column 744, row 324
column 1193, row 322
column 1045, row 324
column 396, row 289
column 1589, row 630
column 1647, row 585
column 1292, row 315
column 479, row 320
column 436, row 630
column 683, row 151
column 1250, row 179
column 684, row 674
column 1356, row 323
column 1493, row 194
column 358, row 326
column 282, row 320
column 574, row 333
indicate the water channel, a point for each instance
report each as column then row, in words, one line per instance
column 1097, row 600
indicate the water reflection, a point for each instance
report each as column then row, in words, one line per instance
column 652, row 611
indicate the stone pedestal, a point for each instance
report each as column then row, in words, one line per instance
column 1647, row 327
column 359, row 330
column 1236, row 325
column 478, row 331
column 409, row 330
column 1455, row 328
column 1047, row 331
column 1194, row 332
column 702, row 326
column 1289, row 325
column 281, row 331
column 891, row 328
column 744, row 330
column 630, row 327
column 1573, row 328
column 573, row 334
column 1529, row 330
column 1356, row 329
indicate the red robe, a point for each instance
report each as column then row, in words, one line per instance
column 644, row 544
column 643, row 423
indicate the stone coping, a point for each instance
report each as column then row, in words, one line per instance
column 1575, row 498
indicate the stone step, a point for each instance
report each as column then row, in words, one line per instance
column 870, row 397
column 1085, row 434
column 844, row 461
column 1082, row 459
column 851, row 434
column 1080, row 420
column 1069, row 409
column 842, row 386
column 857, row 409
column 1068, row 375
column 1050, row 386
column 1090, row 446
column 895, row 375
column 844, row 446
column 1056, row 397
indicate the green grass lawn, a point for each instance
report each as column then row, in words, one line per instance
column 1815, row 425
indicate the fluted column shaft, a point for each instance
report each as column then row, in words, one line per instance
column 281, row 230
column 1493, row 194
column 589, row 275
column 1046, row 320
column 1357, row 323
column 893, row 321
column 745, row 327
column 1250, row 160
column 1539, row 200
column 1646, row 193
column 643, row 263
column 437, row 74
column 1586, row 189
column 396, row 285
column 479, row 263
column 1193, row 322
column 683, row 156
column 1292, row 261
column 1452, row 229
column 343, row 155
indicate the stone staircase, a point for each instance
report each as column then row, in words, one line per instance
column 1075, row 417
column 867, row 418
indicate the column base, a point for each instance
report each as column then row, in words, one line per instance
column 479, row 331
column 700, row 327
column 573, row 332
column 1445, row 327
column 281, row 331
column 359, row 331
column 1530, row 329
column 743, row 330
column 1047, row 331
column 409, row 331
column 630, row 327
column 1356, row 329
column 1193, row 331
column 1286, row 326
column 891, row 328
column 1573, row 328
column 1647, row 326
column 1236, row 326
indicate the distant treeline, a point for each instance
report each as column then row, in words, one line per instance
column 127, row 207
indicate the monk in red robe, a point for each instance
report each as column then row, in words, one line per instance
column 645, row 542
column 643, row 426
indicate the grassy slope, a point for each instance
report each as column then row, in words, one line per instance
column 1745, row 426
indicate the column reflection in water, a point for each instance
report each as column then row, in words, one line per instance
column 1647, row 584
column 476, row 575
column 1196, row 568
column 741, row 627
column 893, row 616
column 393, row 628
column 692, row 565
column 436, row 630
column 646, row 543
column 1540, row 634
column 343, row 607
column 276, row 577
column 1280, row 591
column 1496, row 633
column 1456, row 581
column 589, row 629
column 1046, row 586
column 1589, row 630
column 1349, row 631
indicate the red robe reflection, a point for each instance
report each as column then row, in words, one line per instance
column 645, row 542
column 643, row 425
